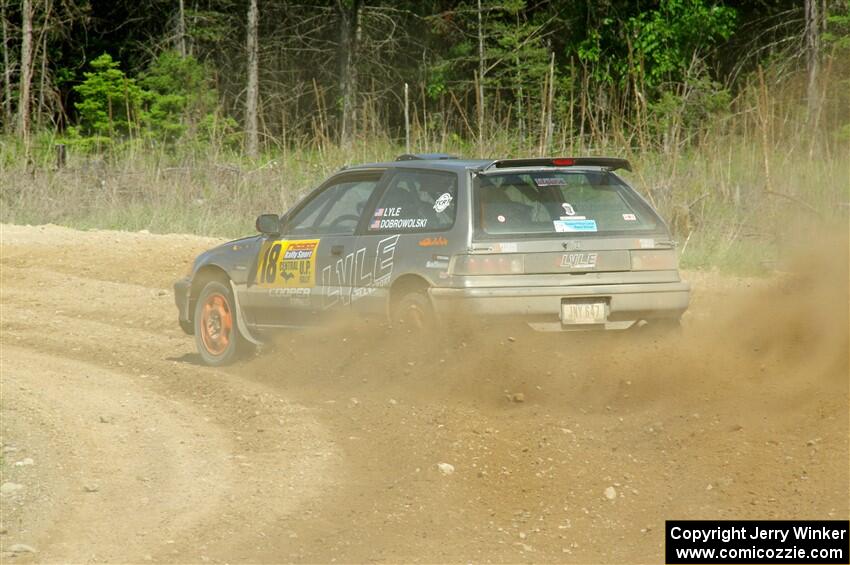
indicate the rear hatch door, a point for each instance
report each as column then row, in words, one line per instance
column 564, row 220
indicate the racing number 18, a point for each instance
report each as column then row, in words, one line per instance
column 268, row 268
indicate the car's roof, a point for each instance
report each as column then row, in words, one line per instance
column 438, row 164
column 455, row 165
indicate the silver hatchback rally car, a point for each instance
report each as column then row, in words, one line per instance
column 561, row 244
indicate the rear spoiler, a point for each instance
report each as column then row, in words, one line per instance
column 424, row 157
column 610, row 163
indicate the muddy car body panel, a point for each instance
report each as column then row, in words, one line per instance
column 560, row 243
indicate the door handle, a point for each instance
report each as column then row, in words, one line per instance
column 337, row 249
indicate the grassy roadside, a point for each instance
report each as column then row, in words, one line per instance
column 734, row 205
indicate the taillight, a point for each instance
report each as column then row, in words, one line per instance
column 510, row 264
column 654, row 260
column 562, row 162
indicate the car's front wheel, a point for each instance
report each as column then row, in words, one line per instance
column 217, row 335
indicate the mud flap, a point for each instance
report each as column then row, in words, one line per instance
column 240, row 320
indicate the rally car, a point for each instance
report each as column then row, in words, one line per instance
column 558, row 243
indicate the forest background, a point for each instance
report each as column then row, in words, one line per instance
column 197, row 115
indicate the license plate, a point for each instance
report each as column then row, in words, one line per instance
column 583, row 313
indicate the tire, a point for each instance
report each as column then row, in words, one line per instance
column 413, row 312
column 217, row 336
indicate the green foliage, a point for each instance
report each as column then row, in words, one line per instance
column 696, row 102
column 626, row 72
column 836, row 38
column 172, row 99
column 110, row 105
column 435, row 84
column 516, row 58
column 662, row 44
column 670, row 39
column 837, row 34
column 208, row 27
column 178, row 94
column 516, row 53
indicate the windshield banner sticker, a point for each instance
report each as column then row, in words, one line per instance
column 287, row 264
column 550, row 181
column 575, row 225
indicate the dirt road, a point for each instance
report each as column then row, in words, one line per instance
column 119, row 447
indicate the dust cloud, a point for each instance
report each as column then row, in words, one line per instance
column 790, row 330
column 744, row 414
column 334, row 443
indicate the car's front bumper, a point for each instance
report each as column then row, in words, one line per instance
column 626, row 303
column 181, row 299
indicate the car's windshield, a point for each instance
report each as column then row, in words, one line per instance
column 549, row 202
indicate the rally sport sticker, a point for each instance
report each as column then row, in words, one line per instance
column 287, row 264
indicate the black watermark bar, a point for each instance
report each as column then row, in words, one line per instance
column 757, row 541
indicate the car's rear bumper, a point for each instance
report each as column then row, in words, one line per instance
column 181, row 299
column 627, row 303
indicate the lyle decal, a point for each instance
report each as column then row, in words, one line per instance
column 287, row 264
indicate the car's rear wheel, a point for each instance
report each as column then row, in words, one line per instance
column 413, row 312
column 217, row 336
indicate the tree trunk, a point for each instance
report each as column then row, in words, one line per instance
column 812, row 52
column 181, row 29
column 349, row 38
column 481, row 71
column 42, row 79
column 519, row 101
column 550, row 103
column 26, row 74
column 7, row 75
column 252, row 141
column 406, row 120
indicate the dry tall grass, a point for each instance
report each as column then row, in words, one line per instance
column 734, row 189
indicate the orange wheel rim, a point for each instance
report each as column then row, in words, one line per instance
column 216, row 324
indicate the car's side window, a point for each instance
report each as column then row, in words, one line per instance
column 336, row 210
column 416, row 201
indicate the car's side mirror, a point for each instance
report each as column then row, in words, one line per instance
column 268, row 224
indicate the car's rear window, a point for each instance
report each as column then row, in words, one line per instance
column 551, row 202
